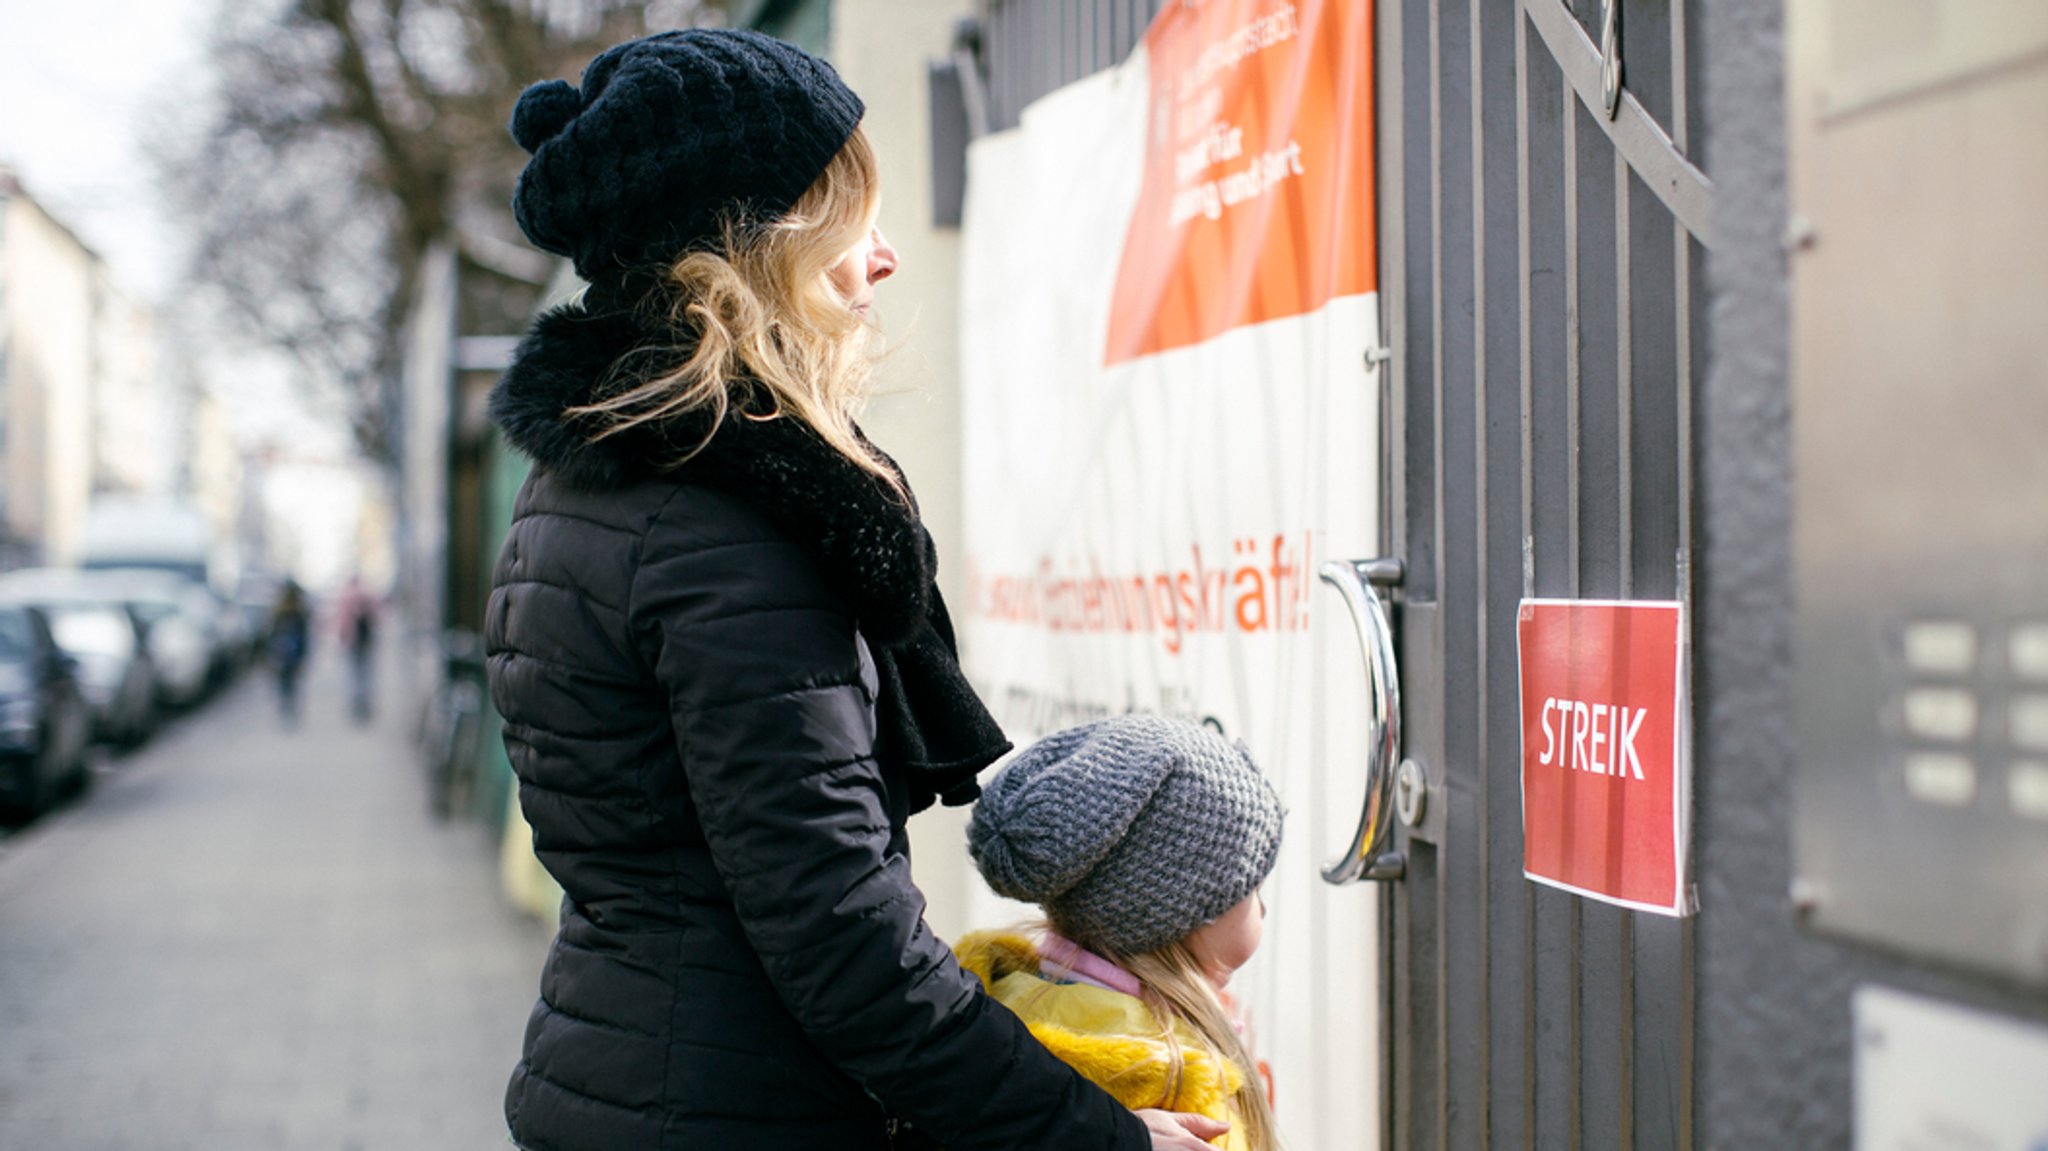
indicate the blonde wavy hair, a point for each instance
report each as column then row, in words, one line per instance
column 760, row 329
column 1172, row 985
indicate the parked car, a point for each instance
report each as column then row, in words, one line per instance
column 177, row 645
column 104, row 638
column 179, row 632
column 222, row 629
column 45, row 722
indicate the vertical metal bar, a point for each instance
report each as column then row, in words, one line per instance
column 1625, row 424
column 1482, row 502
column 1436, row 271
column 1070, row 60
column 1525, row 269
column 1016, row 61
column 1095, row 53
column 1077, row 60
column 1524, row 275
column 1008, row 62
column 1625, row 373
column 993, row 42
column 1551, row 237
column 1682, row 244
column 1571, row 317
column 1441, row 1048
column 1018, row 56
column 1389, row 138
column 1049, row 44
column 1626, row 1121
column 1570, row 111
column 1023, row 53
column 1389, row 163
column 1045, row 57
column 1680, row 76
column 1688, row 945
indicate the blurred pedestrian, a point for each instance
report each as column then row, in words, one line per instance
column 290, row 637
column 726, row 675
column 355, row 616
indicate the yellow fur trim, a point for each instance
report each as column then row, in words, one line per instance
column 1109, row 1037
column 1138, row 1071
column 991, row 955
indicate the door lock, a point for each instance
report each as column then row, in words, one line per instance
column 1411, row 793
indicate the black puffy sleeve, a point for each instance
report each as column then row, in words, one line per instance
column 774, row 723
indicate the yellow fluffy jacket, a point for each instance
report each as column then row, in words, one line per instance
column 1111, row 1038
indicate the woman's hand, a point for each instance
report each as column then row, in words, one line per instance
column 1180, row 1130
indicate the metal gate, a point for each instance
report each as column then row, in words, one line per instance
column 1543, row 235
column 1030, row 47
column 1542, row 238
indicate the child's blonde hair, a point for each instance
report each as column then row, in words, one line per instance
column 1172, row 985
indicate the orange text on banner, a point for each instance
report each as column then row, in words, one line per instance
column 1256, row 202
column 1257, row 585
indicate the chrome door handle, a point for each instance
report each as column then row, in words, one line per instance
column 1359, row 581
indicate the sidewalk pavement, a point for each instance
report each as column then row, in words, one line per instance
column 248, row 938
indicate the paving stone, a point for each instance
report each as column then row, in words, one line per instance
column 248, row 936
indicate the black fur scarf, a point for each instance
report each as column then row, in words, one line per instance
column 869, row 543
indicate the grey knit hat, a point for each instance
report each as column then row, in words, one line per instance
column 1131, row 832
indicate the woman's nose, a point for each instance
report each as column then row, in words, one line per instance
column 881, row 259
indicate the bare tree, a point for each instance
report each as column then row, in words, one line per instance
column 346, row 137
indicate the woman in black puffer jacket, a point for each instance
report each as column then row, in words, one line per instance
column 726, row 675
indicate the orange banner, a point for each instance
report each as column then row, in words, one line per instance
column 1257, row 198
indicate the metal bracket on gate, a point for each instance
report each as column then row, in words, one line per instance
column 1610, row 58
column 1594, row 70
column 1359, row 581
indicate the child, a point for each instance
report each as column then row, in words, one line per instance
column 1145, row 840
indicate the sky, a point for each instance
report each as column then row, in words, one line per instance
column 80, row 86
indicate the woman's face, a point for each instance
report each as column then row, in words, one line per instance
column 869, row 263
column 1223, row 946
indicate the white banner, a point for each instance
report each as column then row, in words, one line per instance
column 1168, row 273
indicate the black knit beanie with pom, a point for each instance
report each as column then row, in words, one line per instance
column 671, row 135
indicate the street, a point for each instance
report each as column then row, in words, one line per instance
column 248, row 937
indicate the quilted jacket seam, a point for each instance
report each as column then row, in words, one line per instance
column 599, row 1024
column 582, row 594
column 614, row 1104
column 572, row 517
column 791, row 694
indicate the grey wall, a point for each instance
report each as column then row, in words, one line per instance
column 1774, row 1054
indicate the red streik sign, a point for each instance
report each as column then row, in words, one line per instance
column 1606, row 751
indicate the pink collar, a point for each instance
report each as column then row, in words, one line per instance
column 1062, row 959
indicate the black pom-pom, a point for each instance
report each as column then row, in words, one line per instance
column 544, row 109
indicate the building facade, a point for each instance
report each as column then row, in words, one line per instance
column 85, row 402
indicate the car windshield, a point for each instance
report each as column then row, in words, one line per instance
column 92, row 631
column 16, row 636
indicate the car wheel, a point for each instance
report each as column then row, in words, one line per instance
column 45, row 776
column 78, row 780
